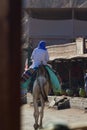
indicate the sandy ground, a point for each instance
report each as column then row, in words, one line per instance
column 51, row 115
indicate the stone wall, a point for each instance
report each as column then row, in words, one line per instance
column 78, row 102
column 75, row 102
column 62, row 51
column 66, row 50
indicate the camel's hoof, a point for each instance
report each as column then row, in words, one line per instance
column 36, row 126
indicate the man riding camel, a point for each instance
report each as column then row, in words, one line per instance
column 39, row 56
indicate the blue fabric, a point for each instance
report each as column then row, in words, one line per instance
column 42, row 45
column 27, row 77
column 54, row 80
column 25, row 84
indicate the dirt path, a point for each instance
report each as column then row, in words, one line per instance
column 51, row 115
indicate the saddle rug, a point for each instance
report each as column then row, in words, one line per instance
column 29, row 77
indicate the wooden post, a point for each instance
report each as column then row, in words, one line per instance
column 69, row 70
column 10, row 30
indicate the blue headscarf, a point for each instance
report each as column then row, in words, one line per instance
column 42, row 45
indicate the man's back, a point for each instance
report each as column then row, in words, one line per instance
column 39, row 56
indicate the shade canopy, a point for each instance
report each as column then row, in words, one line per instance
column 58, row 13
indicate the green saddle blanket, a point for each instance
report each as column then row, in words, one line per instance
column 28, row 77
column 25, row 84
column 54, row 80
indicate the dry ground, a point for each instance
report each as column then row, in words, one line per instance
column 51, row 115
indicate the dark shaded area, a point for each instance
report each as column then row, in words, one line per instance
column 58, row 13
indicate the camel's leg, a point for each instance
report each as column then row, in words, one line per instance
column 36, row 114
column 41, row 113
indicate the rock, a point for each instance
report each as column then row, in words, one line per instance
column 52, row 103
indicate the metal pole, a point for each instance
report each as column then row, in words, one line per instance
column 73, row 23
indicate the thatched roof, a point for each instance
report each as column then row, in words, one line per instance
column 55, row 3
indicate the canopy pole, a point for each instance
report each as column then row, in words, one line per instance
column 73, row 23
column 70, row 75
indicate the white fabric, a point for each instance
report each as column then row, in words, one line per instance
column 38, row 56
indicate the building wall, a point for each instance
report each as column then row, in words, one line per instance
column 80, row 28
column 62, row 51
column 48, row 28
column 60, row 29
column 67, row 50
